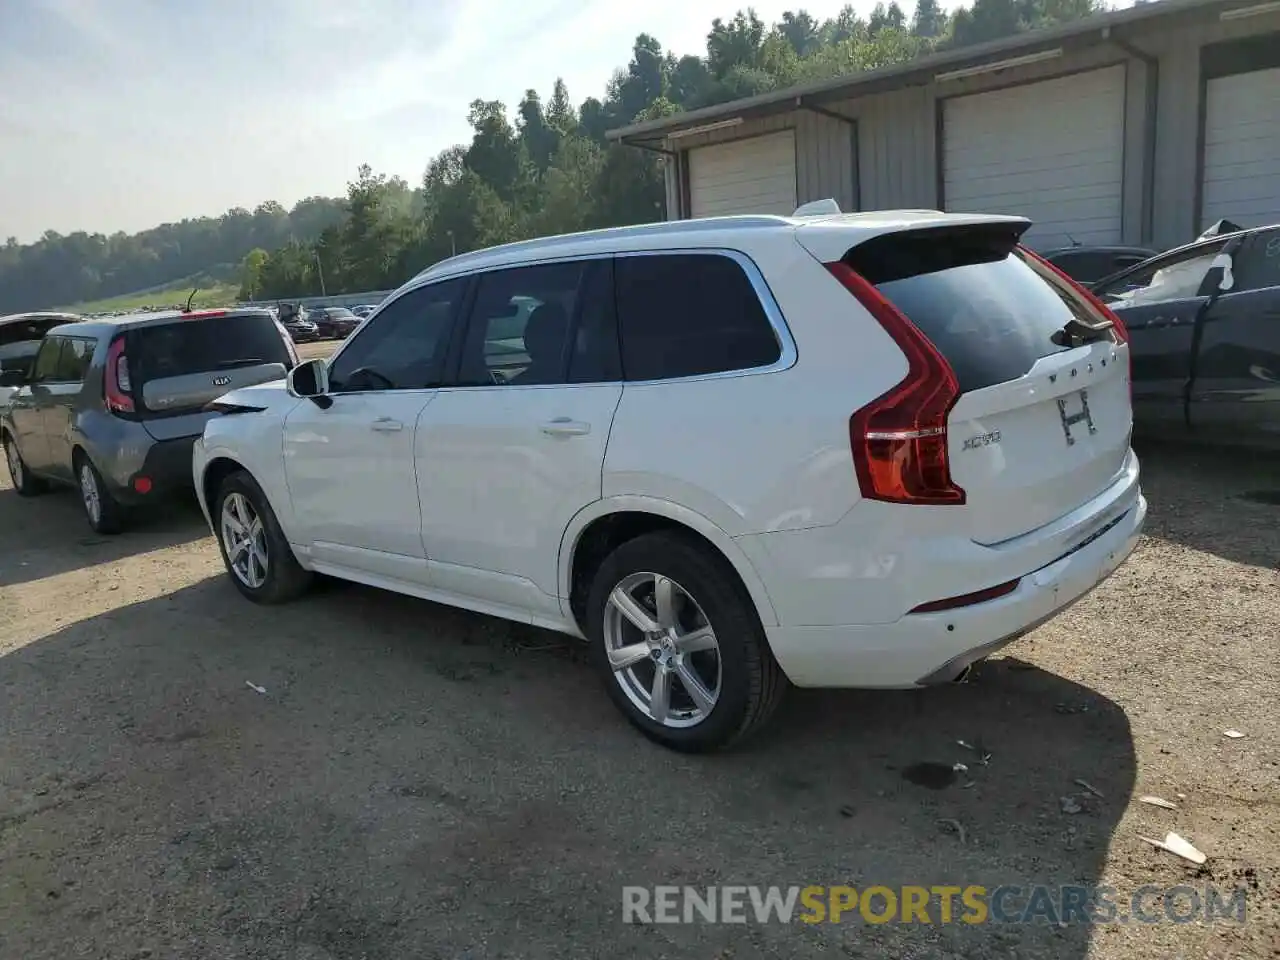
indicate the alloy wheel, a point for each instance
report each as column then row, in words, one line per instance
column 245, row 541
column 90, row 494
column 662, row 650
column 15, row 463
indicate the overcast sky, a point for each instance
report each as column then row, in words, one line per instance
column 122, row 114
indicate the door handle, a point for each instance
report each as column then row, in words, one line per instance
column 564, row 427
column 387, row 425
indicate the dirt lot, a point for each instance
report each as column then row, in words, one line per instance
column 419, row 782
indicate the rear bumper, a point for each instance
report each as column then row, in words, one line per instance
column 923, row 649
column 167, row 465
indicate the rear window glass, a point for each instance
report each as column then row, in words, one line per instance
column 203, row 346
column 984, row 309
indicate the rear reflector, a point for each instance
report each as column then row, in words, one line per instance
column 969, row 599
column 142, row 484
column 899, row 440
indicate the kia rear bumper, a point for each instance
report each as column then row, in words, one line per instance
column 928, row 648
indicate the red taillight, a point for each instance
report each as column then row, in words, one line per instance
column 899, row 440
column 116, row 385
column 203, row 314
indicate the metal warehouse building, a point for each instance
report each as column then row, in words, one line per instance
column 1143, row 125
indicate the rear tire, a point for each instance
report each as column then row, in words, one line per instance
column 24, row 482
column 673, row 582
column 105, row 514
column 255, row 551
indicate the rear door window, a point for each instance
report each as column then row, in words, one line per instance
column 1257, row 265
column 73, row 360
column 689, row 314
column 971, row 293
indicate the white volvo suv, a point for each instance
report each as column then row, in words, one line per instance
column 857, row 450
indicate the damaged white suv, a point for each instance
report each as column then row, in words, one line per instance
column 856, row 450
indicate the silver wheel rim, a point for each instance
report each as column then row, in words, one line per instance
column 662, row 649
column 245, row 541
column 89, row 493
column 15, row 463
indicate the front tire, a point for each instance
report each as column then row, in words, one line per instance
column 105, row 514
column 24, row 482
column 254, row 549
column 680, row 647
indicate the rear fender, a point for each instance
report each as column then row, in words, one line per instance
column 669, row 510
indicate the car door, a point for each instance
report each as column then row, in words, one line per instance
column 59, row 408
column 1236, row 390
column 28, row 405
column 513, row 449
column 1159, row 303
column 349, row 459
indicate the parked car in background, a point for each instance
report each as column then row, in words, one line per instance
column 1204, row 328
column 20, row 336
column 363, row 310
column 297, row 324
column 333, row 322
column 1091, row 264
column 113, row 406
column 857, row 451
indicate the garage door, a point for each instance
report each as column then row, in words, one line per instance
column 757, row 175
column 1052, row 151
column 1242, row 149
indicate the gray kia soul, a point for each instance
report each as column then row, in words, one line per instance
column 112, row 406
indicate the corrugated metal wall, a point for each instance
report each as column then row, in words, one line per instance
column 895, row 161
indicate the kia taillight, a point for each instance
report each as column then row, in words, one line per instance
column 116, row 384
column 899, row 440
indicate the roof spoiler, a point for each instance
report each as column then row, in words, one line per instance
column 818, row 208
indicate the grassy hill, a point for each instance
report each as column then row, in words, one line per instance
column 216, row 294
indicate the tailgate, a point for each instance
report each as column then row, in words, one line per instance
column 193, row 390
column 1032, row 449
column 1041, row 417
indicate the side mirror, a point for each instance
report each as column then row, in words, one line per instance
column 309, row 379
column 12, row 378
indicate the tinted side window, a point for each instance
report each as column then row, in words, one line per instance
column 682, row 315
column 521, row 324
column 1084, row 266
column 48, row 360
column 73, row 360
column 1257, row 265
column 594, row 356
column 403, row 347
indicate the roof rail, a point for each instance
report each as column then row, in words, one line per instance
column 661, row 228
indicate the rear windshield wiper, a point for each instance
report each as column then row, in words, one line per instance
column 1076, row 333
column 245, row 362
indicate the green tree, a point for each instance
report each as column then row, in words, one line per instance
column 252, row 269
column 929, row 19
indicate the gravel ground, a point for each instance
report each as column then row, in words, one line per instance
column 419, row 782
